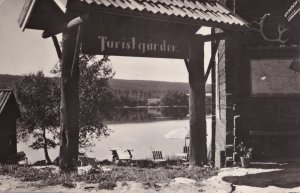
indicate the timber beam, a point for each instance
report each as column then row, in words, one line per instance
column 214, row 48
column 57, row 47
column 216, row 36
column 67, row 26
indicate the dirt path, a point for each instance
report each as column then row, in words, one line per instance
column 284, row 179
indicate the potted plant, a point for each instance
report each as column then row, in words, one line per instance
column 245, row 154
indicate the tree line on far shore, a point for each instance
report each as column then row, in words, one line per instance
column 142, row 97
column 134, row 92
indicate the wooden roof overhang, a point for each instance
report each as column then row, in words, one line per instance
column 48, row 15
column 174, row 20
column 194, row 13
column 41, row 15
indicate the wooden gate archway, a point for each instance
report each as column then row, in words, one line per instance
column 164, row 29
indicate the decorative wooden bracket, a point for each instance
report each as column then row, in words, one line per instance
column 187, row 64
column 215, row 46
column 71, row 24
column 57, row 47
column 76, row 51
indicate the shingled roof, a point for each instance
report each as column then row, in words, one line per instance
column 48, row 14
column 192, row 10
column 293, row 10
column 5, row 95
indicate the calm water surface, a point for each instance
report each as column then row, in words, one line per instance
column 142, row 137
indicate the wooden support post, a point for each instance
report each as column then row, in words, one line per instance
column 195, row 66
column 213, row 98
column 69, row 133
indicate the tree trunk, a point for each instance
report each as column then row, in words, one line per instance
column 69, row 133
column 198, row 148
column 46, row 148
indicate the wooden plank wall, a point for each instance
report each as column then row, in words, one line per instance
column 221, row 105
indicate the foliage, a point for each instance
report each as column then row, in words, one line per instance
column 6, row 80
column 39, row 99
column 173, row 98
column 26, row 173
column 95, row 97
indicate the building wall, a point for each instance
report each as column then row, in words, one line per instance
column 227, row 90
column 239, row 113
column 229, row 62
column 276, row 117
column 221, row 111
column 8, row 141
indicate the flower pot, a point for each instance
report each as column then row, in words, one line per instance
column 245, row 162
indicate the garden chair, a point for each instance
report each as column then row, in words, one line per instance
column 122, row 155
column 84, row 160
column 186, row 149
column 185, row 155
column 157, row 156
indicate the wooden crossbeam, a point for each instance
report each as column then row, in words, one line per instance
column 57, row 47
column 216, row 36
column 215, row 46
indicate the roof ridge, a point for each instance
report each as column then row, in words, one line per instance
column 216, row 13
column 6, row 89
column 3, row 100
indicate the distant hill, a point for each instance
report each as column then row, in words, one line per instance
column 6, row 80
column 148, row 85
column 120, row 84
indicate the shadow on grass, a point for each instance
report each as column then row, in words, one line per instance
column 287, row 177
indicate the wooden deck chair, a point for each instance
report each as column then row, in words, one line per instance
column 186, row 149
column 157, row 156
column 84, row 160
column 121, row 155
column 185, row 155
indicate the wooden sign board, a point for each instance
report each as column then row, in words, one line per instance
column 132, row 37
column 273, row 76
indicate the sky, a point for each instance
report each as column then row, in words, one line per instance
column 27, row 52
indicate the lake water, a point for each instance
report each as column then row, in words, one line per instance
column 142, row 137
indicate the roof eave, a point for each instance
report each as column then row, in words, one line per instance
column 41, row 14
column 159, row 17
column 26, row 13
